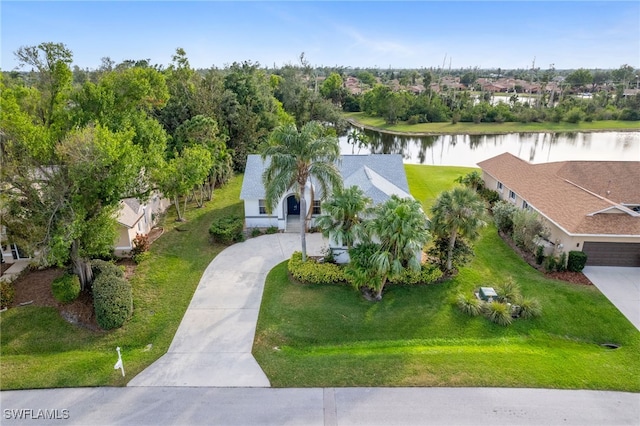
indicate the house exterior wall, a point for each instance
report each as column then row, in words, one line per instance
column 254, row 219
column 560, row 240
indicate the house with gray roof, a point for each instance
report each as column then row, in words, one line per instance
column 379, row 175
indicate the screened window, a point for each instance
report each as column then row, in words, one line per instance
column 262, row 207
column 512, row 195
column 500, row 186
column 316, row 207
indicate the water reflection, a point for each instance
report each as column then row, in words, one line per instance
column 468, row 150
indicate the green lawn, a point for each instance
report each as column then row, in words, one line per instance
column 492, row 128
column 38, row 349
column 311, row 336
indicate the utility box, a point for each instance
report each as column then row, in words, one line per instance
column 488, row 294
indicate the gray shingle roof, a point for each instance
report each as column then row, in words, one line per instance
column 378, row 175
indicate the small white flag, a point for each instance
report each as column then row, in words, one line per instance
column 119, row 363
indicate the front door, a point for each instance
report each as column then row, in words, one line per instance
column 293, row 205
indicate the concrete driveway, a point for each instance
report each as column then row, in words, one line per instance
column 212, row 346
column 621, row 286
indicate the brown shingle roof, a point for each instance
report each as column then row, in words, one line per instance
column 570, row 192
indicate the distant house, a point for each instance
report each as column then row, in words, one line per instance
column 135, row 218
column 378, row 175
column 590, row 206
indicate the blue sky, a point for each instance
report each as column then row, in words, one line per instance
column 416, row 34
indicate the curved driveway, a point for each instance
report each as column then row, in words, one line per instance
column 212, row 347
column 209, row 376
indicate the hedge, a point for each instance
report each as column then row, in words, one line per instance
column 103, row 267
column 112, row 300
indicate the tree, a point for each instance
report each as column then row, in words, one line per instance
column 50, row 62
column 471, row 180
column 580, row 78
column 182, row 174
column 399, row 232
column 332, row 88
column 343, row 215
column 295, row 158
column 458, row 212
column 357, row 137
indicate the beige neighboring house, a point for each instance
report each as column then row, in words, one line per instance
column 136, row 218
column 589, row 206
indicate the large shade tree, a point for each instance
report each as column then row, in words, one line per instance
column 297, row 157
column 457, row 213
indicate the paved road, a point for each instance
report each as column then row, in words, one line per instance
column 322, row 407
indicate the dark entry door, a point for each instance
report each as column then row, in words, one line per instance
column 293, row 205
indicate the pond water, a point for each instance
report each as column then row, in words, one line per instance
column 468, row 150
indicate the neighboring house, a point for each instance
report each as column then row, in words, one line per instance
column 136, row 218
column 589, row 206
column 378, row 175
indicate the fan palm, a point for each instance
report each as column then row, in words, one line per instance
column 400, row 228
column 458, row 212
column 295, row 158
column 343, row 215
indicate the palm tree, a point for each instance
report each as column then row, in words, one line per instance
column 296, row 157
column 343, row 215
column 400, row 230
column 458, row 212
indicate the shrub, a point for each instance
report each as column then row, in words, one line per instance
column 66, row 288
column 539, row 255
column 255, row 232
column 629, row 114
column 576, row 261
column 527, row 229
column 550, row 264
column 141, row 257
column 508, row 290
column 427, row 274
column 498, row 313
column 140, row 244
column 272, row 230
column 462, row 252
column 227, row 230
column 561, row 265
column 7, row 294
column 469, row 304
column 491, row 196
column 112, row 301
column 312, row 272
column 503, row 213
column 529, row 308
column 574, row 115
column 103, row 267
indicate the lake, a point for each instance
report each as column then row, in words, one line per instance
column 468, row 150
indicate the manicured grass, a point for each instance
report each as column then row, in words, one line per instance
column 492, row 128
column 41, row 350
column 311, row 336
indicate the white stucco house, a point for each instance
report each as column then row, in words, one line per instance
column 378, row 175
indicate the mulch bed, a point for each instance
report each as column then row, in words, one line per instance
column 571, row 277
column 33, row 288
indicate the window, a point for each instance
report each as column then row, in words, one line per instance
column 500, row 186
column 525, row 205
column 316, row 206
column 262, row 207
column 512, row 195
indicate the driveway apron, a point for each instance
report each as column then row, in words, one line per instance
column 212, row 347
column 621, row 286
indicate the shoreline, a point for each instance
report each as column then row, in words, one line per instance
column 354, row 122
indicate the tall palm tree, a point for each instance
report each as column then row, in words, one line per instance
column 343, row 214
column 458, row 212
column 400, row 230
column 297, row 157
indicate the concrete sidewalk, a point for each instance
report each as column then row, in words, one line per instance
column 212, row 346
column 321, row 407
